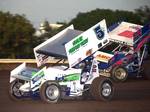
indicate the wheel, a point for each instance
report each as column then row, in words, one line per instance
column 50, row 92
column 102, row 89
column 14, row 91
column 86, row 94
column 119, row 74
column 146, row 69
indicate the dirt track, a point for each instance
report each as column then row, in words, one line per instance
column 131, row 96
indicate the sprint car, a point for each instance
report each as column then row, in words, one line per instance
column 59, row 82
column 95, row 57
column 55, row 83
column 127, row 52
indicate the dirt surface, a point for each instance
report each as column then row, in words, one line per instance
column 131, row 96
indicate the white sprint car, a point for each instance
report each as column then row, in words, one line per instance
column 79, row 79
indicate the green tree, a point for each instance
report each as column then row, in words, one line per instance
column 16, row 36
column 144, row 13
column 84, row 21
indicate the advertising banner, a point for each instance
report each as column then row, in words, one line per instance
column 87, row 43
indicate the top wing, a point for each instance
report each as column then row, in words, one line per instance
column 124, row 33
column 55, row 45
column 88, row 42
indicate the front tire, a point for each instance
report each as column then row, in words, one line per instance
column 50, row 92
column 14, row 92
column 102, row 89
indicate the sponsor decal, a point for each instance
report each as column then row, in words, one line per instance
column 121, row 42
column 33, row 73
column 99, row 32
column 41, row 59
column 38, row 77
column 70, row 77
column 79, row 42
column 89, row 52
column 104, row 57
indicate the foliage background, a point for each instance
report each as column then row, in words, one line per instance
column 17, row 38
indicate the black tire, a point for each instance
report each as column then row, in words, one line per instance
column 102, row 89
column 14, row 92
column 146, row 69
column 119, row 74
column 86, row 94
column 47, row 90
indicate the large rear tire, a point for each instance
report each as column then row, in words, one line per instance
column 102, row 89
column 50, row 92
column 119, row 74
column 14, row 92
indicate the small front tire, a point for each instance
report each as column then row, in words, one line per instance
column 119, row 74
column 14, row 92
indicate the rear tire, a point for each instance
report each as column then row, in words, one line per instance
column 50, row 92
column 119, row 74
column 102, row 89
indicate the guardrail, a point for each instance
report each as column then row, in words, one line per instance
column 9, row 64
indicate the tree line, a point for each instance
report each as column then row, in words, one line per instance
column 17, row 38
column 85, row 20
